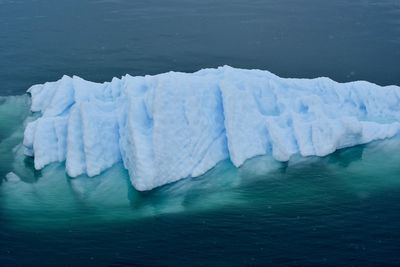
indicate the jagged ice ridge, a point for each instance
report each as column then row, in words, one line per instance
column 175, row 125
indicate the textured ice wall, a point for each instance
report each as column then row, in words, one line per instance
column 175, row 125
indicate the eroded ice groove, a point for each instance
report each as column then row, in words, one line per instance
column 175, row 125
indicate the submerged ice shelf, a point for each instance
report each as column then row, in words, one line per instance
column 175, row 125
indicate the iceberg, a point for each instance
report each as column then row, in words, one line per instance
column 175, row 125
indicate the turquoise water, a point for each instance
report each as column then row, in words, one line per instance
column 333, row 211
column 340, row 209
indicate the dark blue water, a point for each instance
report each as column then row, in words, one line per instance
column 98, row 39
column 339, row 210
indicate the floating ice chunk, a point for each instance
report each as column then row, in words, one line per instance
column 49, row 134
column 12, row 177
column 175, row 125
column 75, row 158
column 100, row 136
column 172, row 123
column 62, row 98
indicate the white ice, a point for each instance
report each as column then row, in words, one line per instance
column 176, row 125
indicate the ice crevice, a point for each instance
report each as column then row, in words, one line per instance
column 176, row 125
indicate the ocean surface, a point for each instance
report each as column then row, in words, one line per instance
column 340, row 210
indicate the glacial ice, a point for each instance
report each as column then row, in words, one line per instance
column 175, row 125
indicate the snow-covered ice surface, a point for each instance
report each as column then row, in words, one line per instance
column 176, row 125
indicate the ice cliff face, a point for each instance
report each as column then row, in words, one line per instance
column 175, row 125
